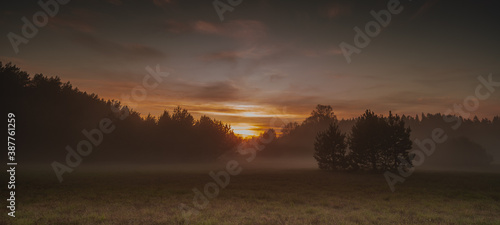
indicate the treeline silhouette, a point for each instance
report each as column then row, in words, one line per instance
column 51, row 115
column 474, row 143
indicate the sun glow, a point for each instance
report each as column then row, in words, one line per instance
column 245, row 130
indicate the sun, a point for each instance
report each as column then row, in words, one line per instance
column 245, row 130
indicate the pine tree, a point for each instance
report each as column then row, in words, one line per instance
column 367, row 141
column 398, row 143
column 330, row 148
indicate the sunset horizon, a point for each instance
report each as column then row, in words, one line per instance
column 251, row 64
column 252, row 120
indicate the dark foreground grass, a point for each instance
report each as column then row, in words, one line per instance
column 256, row 197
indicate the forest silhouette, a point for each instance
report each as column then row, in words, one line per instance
column 51, row 115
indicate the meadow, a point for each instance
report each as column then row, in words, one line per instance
column 256, row 196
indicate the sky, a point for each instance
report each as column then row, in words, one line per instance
column 265, row 59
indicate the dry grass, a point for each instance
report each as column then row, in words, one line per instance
column 257, row 197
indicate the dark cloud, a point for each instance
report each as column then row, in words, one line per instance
column 81, row 20
column 109, row 48
column 218, row 92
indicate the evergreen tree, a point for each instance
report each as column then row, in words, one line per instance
column 367, row 141
column 330, row 148
column 398, row 143
column 378, row 143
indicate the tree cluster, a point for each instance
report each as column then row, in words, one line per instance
column 471, row 141
column 375, row 143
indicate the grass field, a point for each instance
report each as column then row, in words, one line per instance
column 298, row 196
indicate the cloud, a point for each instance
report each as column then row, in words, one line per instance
column 196, row 92
column 250, row 53
column 321, row 52
column 14, row 60
column 131, row 51
column 79, row 28
column 207, row 27
column 177, row 27
column 72, row 24
column 237, row 93
column 243, row 30
column 276, row 76
column 79, row 19
column 223, row 55
column 248, row 31
column 218, row 91
column 334, row 10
